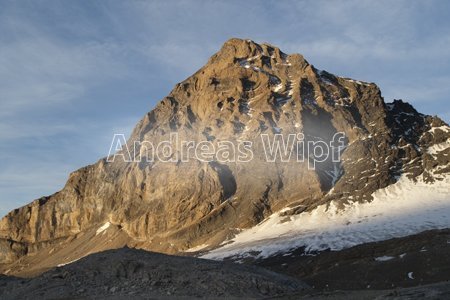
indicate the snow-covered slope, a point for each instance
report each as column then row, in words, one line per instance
column 401, row 209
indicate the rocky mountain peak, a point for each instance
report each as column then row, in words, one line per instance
column 246, row 90
column 238, row 49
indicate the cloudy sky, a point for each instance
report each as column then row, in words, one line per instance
column 72, row 73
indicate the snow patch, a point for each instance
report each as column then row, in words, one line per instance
column 443, row 128
column 67, row 263
column 401, row 209
column 438, row 147
column 384, row 258
column 102, row 228
column 359, row 82
column 278, row 88
column 197, row 248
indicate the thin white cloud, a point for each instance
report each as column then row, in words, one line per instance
column 31, row 129
column 40, row 72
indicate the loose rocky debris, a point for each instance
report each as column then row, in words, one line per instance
column 140, row 274
column 416, row 260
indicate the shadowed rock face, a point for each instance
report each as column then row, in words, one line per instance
column 244, row 90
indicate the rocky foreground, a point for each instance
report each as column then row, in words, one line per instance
column 416, row 260
column 136, row 273
column 414, row 267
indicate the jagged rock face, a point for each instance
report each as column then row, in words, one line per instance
column 244, row 90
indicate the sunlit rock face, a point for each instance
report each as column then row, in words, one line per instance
column 246, row 92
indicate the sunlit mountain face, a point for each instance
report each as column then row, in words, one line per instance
column 255, row 154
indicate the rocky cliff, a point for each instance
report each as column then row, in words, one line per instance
column 245, row 90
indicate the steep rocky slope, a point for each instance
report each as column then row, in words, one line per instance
column 244, row 90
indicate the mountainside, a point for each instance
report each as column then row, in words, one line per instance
column 185, row 204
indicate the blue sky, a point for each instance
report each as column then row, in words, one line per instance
column 72, row 73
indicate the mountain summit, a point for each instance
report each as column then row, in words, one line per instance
column 246, row 90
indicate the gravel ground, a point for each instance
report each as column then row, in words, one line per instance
column 140, row 274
